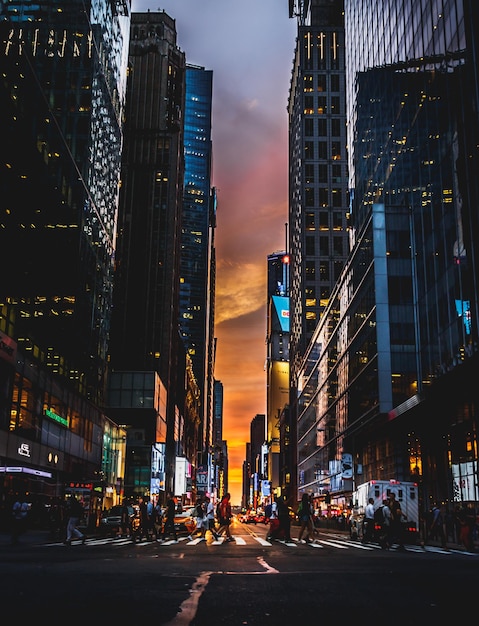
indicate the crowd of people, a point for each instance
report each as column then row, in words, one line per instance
column 156, row 522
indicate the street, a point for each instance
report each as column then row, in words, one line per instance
column 251, row 581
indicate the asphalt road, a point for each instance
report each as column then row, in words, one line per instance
column 249, row 582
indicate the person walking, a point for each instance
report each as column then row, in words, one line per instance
column 385, row 530
column 210, row 518
column 436, row 529
column 368, row 523
column 284, row 519
column 397, row 533
column 125, row 520
column 19, row 519
column 169, row 525
column 74, row 514
column 305, row 515
column 224, row 518
column 200, row 521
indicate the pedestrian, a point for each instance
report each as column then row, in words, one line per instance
column 125, row 520
column 385, row 526
column 200, row 521
column 466, row 525
column 19, row 519
column 74, row 510
column 210, row 518
column 224, row 517
column 143, row 531
column 436, row 529
column 273, row 520
column 368, row 522
column 150, row 514
column 397, row 532
column 284, row 519
column 57, row 519
column 305, row 516
column 169, row 525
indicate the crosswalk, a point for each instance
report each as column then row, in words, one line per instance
column 323, row 542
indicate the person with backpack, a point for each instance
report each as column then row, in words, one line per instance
column 200, row 520
column 224, row 518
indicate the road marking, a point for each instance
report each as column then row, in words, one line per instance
column 188, row 608
column 263, row 542
column 332, row 544
column 268, row 568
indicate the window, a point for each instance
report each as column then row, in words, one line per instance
column 309, row 150
column 335, row 105
column 309, row 196
column 322, row 86
column 309, row 173
column 337, row 197
column 338, row 246
column 336, row 150
column 310, row 248
column 310, row 221
column 308, row 82
column 323, row 198
column 310, row 270
column 323, row 220
column 322, row 128
column 322, row 105
column 334, row 82
column 308, row 105
column 324, row 246
column 323, row 173
column 322, row 150
column 336, row 127
column 309, row 127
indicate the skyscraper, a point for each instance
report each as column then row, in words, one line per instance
column 197, row 241
column 388, row 385
column 318, row 243
column 145, row 335
column 62, row 98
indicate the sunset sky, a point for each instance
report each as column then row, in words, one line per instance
column 249, row 46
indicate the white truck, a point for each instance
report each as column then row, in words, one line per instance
column 407, row 495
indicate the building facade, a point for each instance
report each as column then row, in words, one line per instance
column 145, row 336
column 388, row 385
column 62, row 102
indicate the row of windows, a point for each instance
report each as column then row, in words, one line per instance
column 319, row 151
column 324, row 127
column 324, row 173
column 320, row 196
column 320, row 105
column 324, row 220
column 339, row 247
column 319, row 82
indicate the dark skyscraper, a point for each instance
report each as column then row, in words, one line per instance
column 62, row 104
column 145, row 335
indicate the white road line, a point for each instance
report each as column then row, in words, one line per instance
column 332, row 544
column 268, row 568
column 263, row 542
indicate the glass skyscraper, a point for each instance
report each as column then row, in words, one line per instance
column 389, row 379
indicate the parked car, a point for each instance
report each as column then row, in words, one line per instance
column 111, row 519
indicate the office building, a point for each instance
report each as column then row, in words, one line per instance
column 388, row 387
column 62, row 99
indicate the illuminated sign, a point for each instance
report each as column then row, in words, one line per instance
column 24, row 470
column 56, row 418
